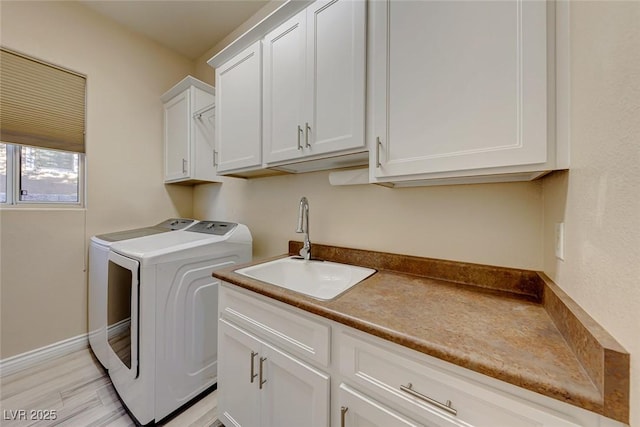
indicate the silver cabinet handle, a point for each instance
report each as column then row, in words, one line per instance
column 184, row 165
column 343, row 415
column 378, row 144
column 215, row 158
column 444, row 406
column 299, row 136
column 253, row 374
column 306, row 135
column 261, row 381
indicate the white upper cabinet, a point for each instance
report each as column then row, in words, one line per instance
column 459, row 90
column 314, row 83
column 189, row 133
column 177, row 125
column 239, row 112
column 284, row 89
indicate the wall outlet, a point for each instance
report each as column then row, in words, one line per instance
column 560, row 240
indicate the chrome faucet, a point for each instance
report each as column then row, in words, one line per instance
column 303, row 227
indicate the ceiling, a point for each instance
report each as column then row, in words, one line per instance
column 185, row 26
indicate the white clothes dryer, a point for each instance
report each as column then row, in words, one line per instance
column 162, row 343
column 98, row 263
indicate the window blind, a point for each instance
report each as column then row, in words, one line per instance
column 40, row 104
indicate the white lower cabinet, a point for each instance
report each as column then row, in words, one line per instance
column 429, row 394
column 275, row 363
column 261, row 385
column 359, row 410
column 295, row 394
column 239, row 399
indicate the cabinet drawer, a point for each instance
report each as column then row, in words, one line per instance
column 298, row 334
column 382, row 368
column 360, row 410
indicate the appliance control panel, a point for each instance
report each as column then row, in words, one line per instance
column 218, row 228
column 175, row 223
column 165, row 226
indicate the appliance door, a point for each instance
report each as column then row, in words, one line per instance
column 98, row 265
column 123, row 308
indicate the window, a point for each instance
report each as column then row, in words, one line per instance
column 32, row 175
column 3, row 173
column 42, row 132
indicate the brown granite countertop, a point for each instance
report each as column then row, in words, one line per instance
column 513, row 325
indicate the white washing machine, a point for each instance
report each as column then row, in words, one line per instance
column 162, row 343
column 98, row 263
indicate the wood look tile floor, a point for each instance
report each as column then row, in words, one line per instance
column 80, row 392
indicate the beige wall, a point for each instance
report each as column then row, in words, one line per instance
column 43, row 287
column 599, row 198
column 498, row 224
column 43, row 279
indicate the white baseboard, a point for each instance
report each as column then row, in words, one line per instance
column 118, row 328
column 16, row 363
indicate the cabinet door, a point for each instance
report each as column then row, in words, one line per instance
column 458, row 85
column 335, row 82
column 203, row 135
column 358, row 410
column 177, row 128
column 239, row 111
column 294, row 394
column 420, row 388
column 204, row 157
column 284, row 79
column 238, row 359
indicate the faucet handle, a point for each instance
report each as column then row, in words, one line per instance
column 303, row 252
